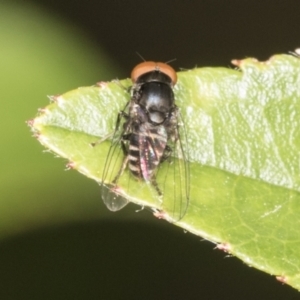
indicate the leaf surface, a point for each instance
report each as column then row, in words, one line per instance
column 243, row 146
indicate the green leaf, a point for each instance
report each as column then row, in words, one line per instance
column 244, row 151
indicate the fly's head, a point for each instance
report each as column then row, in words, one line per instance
column 155, row 68
column 153, row 90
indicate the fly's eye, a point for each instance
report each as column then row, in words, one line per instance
column 151, row 66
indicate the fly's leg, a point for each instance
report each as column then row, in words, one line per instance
column 155, row 185
column 167, row 154
column 124, row 164
column 121, row 114
column 102, row 140
column 125, row 137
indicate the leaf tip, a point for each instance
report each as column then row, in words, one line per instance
column 32, row 124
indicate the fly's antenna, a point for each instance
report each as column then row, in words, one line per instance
column 140, row 56
column 169, row 61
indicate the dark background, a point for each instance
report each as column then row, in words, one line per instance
column 151, row 260
column 196, row 33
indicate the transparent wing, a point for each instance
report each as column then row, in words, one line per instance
column 113, row 167
column 173, row 175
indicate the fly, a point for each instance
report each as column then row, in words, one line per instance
column 148, row 132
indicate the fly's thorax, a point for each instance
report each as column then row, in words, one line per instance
column 155, row 98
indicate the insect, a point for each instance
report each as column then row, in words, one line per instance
column 149, row 133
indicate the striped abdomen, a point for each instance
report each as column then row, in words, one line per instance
column 146, row 149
